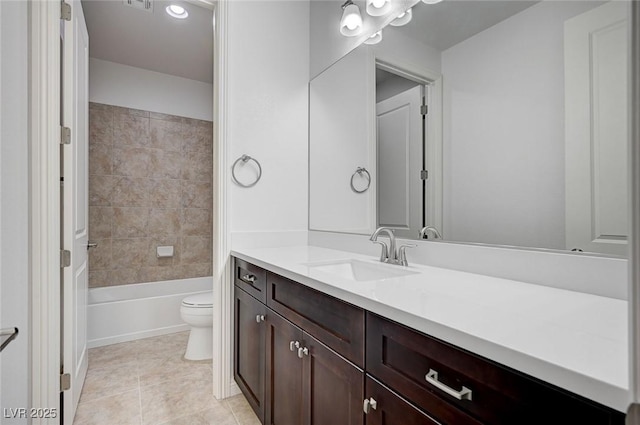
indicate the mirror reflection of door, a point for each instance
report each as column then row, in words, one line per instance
column 400, row 129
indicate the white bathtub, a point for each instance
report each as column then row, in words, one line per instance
column 128, row 312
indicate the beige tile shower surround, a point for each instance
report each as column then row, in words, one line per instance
column 149, row 185
column 146, row 382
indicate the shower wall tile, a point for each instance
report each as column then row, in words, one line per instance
column 196, row 194
column 166, row 134
column 131, row 161
column 101, row 124
column 149, row 185
column 101, row 158
column 101, row 220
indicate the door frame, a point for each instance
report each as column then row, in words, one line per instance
column 634, row 231
column 433, row 135
column 44, row 213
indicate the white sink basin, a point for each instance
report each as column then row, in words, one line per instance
column 360, row 270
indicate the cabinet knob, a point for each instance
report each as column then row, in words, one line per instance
column 259, row 318
column 369, row 404
column 303, row 351
column 293, row 345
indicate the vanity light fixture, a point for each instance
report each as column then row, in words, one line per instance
column 375, row 38
column 177, row 11
column 431, row 1
column 378, row 7
column 402, row 19
column 351, row 22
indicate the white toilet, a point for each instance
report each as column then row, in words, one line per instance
column 197, row 312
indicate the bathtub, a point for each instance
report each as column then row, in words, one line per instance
column 128, row 312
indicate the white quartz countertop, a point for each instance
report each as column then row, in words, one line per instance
column 573, row 340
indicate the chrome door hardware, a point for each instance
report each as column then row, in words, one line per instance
column 369, row 404
column 463, row 394
column 303, row 351
column 293, row 345
column 92, row 245
column 259, row 318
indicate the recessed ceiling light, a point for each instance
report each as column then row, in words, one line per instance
column 177, row 11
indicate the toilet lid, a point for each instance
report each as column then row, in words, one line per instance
column 204, row 300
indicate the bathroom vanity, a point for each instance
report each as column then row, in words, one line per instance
column 330, row 337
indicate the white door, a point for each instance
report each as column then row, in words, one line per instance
column 400, row 161
column 596, row 129
column 75, row 100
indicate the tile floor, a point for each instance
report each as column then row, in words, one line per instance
column 147, row 382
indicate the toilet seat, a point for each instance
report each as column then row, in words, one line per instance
column 204, row 300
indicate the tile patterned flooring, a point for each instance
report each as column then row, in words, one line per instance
column 147, row 382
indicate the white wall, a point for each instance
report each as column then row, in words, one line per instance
column 407, row 53
column 14, row 206
column 503, row 102
column 121, row 85
column 268, row 74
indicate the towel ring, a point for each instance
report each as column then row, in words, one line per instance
column 245, row 159
column 360, row 171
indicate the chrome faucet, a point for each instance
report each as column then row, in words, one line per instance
column 389, row 253
column 432, row 229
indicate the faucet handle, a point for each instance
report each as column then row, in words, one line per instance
column 384, row 254
column 402, row 253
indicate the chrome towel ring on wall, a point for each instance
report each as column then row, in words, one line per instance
column 361, row 171
column 244, row 159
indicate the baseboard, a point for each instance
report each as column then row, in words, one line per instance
column 234, row 389
column 137, row 335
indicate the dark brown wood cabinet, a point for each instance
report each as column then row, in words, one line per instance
column 304, row 364
column 304, row 380
column 432, row 374
column 336, row 323
column 333, row 387
column 251, row 279
column 283, row 372
column 249, row 364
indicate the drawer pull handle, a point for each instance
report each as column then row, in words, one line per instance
column 463, row 394
column 293, row 345
column 249, row 278
column 259, row 318
column 369, row 404
column 303, row 351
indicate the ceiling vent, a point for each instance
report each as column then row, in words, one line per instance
column 146, row 5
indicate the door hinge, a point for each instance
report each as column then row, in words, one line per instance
column 424, row 174
column 65, row 258
column 65, row 11
column 65, row 381
column 65, row 135
column 424, row 109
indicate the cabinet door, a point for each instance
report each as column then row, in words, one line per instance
column 284, row 372
column 249, row 358
column 390, row 409
column 333, row 388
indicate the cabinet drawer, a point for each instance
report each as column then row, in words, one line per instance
column 335, row 323
column 402, row 358
column 250, row 278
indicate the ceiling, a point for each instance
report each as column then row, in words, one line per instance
column 447, row 23
column 152, row 40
